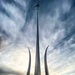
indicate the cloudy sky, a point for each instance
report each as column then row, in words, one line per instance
column 18, row 31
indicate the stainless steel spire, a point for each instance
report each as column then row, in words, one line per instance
column 45, row 62
column 29, row 66
column 37, row 60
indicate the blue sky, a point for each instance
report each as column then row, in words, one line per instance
column 57, row 29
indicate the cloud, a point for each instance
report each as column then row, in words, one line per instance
column 5, row 70
column 57, row 29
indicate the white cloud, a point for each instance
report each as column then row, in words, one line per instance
column 52, row 32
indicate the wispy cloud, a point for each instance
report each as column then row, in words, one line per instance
column 57, row 29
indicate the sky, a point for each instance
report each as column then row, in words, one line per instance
column 18, row 32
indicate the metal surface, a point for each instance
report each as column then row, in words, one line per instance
column 45, row 62
column 29, row 66
column 37, row 60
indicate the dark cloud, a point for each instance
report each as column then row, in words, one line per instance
column 3, row 10
column 46, row 7
column 3, row 32
column 16, row 4
column 6, row 71
column 73, row 3
column 62, row 42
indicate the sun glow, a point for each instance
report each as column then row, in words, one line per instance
column 18, row 60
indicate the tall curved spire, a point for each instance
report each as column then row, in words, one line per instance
column 37, row 60
column 45, row 62
column 29, row 66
